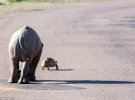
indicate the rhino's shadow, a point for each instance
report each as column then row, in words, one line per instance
column 62, row 70
column 86, row 82
column 60, row 84
column 39, row 85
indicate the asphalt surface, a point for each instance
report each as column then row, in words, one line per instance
column 94, row 45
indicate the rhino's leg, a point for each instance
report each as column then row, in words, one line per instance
column 33, row 66
column 14, row 68
column 24, row 73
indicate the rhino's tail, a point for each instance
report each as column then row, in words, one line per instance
column 21, row 43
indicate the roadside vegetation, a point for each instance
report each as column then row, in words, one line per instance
column 7, row 6
column 10, row 7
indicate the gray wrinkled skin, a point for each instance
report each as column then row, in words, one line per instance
column 49, row 62
column 25, row 46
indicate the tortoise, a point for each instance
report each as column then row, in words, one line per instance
column 49, row 62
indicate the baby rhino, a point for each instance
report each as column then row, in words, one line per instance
column 49, row 62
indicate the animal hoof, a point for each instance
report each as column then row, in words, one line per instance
column 12, row 81
column 32, row 79
column 23, row 82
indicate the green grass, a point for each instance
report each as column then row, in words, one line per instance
column 19, row 6
column 24, row 5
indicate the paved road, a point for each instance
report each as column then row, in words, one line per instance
column 93, row 43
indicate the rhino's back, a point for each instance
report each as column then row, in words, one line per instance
column 25, row 42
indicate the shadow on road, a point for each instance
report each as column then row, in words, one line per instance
column 86, row 82
column 75, row 82
column 39, row 85
column 59, row 84
column 62, row 70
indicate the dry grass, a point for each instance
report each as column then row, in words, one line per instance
column 13, row 7
column 18, row 6
column 68, row 1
